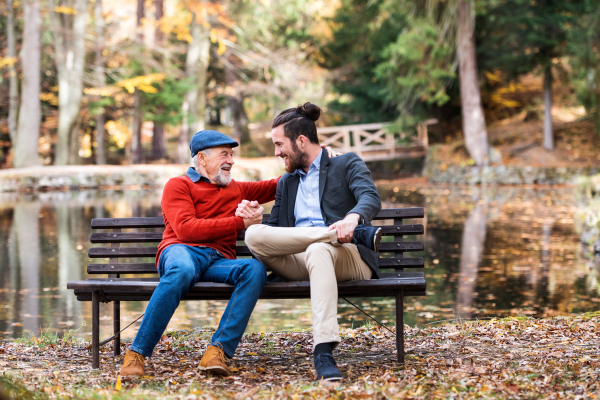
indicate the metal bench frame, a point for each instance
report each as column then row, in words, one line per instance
column 116, row 289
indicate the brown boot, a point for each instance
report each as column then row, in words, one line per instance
column 133, row 364
column 213, row 361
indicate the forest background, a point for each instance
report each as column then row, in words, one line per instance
column 129, row 81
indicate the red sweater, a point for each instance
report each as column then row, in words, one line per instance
column 203, row 214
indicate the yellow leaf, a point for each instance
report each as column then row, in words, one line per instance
column 7, row 62
column 118, row 385
column 222, row 48
column 65, row 10
column 252, row 354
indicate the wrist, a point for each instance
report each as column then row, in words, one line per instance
column 353, row 217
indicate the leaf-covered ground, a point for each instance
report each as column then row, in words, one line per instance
column 510, row 358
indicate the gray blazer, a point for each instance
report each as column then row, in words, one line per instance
column 345, row 186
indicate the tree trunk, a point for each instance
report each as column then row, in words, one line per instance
column 28, row 133
column 136, row 140
column 548, row 131
column 159, row 149
column 183, row 141
column 241, row 133
column 474, row 128
column 70, row 53
column 196, row 67
column 100, row 82
column 13, row 94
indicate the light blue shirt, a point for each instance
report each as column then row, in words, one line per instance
column 307, row 210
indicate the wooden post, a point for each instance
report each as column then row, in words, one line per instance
column 357, row 144
column 400, row 326
column 116, row 306
column 399, row 300
column 95, row 329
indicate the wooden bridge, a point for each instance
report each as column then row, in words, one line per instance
column 373, row 142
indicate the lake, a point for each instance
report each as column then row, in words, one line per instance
column 490, row 252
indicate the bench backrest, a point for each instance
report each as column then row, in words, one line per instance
column 139, row 258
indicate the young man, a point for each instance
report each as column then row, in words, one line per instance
column 313, row 232
column 198, row 245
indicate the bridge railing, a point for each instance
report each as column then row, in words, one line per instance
column 374, row 142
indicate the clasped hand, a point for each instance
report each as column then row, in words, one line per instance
column 345, row 227
column 250, row 211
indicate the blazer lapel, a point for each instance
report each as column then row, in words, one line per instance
column 292, row 192
column 323, row 174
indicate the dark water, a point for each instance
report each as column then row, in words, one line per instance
column 490, row 252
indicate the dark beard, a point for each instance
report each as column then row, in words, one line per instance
column 296, row 160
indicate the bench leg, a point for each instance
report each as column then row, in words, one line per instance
column 117, row 327
column 95, row 330
column 400, row 326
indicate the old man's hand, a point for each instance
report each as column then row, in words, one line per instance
column 250, row 211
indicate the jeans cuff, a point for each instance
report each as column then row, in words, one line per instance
column 140, row 351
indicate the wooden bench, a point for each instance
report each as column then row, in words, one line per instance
column 115, row 288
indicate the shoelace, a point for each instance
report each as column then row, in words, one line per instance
column 323, row 359
column 221, row 353
column 136, row 358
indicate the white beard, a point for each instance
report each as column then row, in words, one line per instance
column 222, row 180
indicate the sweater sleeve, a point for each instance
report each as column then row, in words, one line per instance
column 178, row 210
column 261, row 191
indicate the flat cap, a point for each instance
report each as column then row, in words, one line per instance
column 207, row 138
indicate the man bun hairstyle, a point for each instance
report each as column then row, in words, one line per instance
column 299, row 121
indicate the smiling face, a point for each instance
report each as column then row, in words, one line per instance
column 217, row 165
column 292, row 154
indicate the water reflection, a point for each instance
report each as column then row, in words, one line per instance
column 489, row 252
column 473, row 239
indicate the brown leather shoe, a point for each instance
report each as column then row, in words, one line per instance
column 213, row 361
column 133, row 364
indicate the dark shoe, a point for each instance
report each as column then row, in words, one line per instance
column 368, row 236
column 326, row 368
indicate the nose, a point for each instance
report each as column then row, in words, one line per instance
column 277, row 151
column 230, row 159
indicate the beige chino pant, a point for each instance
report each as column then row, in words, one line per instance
column 311, row 253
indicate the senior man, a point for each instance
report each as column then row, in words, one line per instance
column 198, row 245
column 313, row 232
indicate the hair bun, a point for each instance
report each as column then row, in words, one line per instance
column 309, row 110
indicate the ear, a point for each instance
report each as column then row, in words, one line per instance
column 202, row 158
column 301, row 141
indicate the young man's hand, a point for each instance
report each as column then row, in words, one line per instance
column 345, row 227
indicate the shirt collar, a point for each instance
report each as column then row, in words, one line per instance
column 316, row 163
column 195, row 176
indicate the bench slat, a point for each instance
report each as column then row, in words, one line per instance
column 125, row 268
column 119, row 285
column 158, row 222
column 401, row 262
column 396, row 230
column 126, row 237
column 119, row 252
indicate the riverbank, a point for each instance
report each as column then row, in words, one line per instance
column 510, row 358
column 48, row 178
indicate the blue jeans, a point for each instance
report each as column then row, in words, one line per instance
column 180, row 267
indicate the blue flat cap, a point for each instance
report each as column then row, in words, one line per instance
column 207, row 138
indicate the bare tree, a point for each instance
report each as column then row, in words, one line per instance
column 196, row 67
column 136, row 139
column 474, row 128
column 69, row 44
column 100, row 81
column 28, row 133
column 13, row 94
